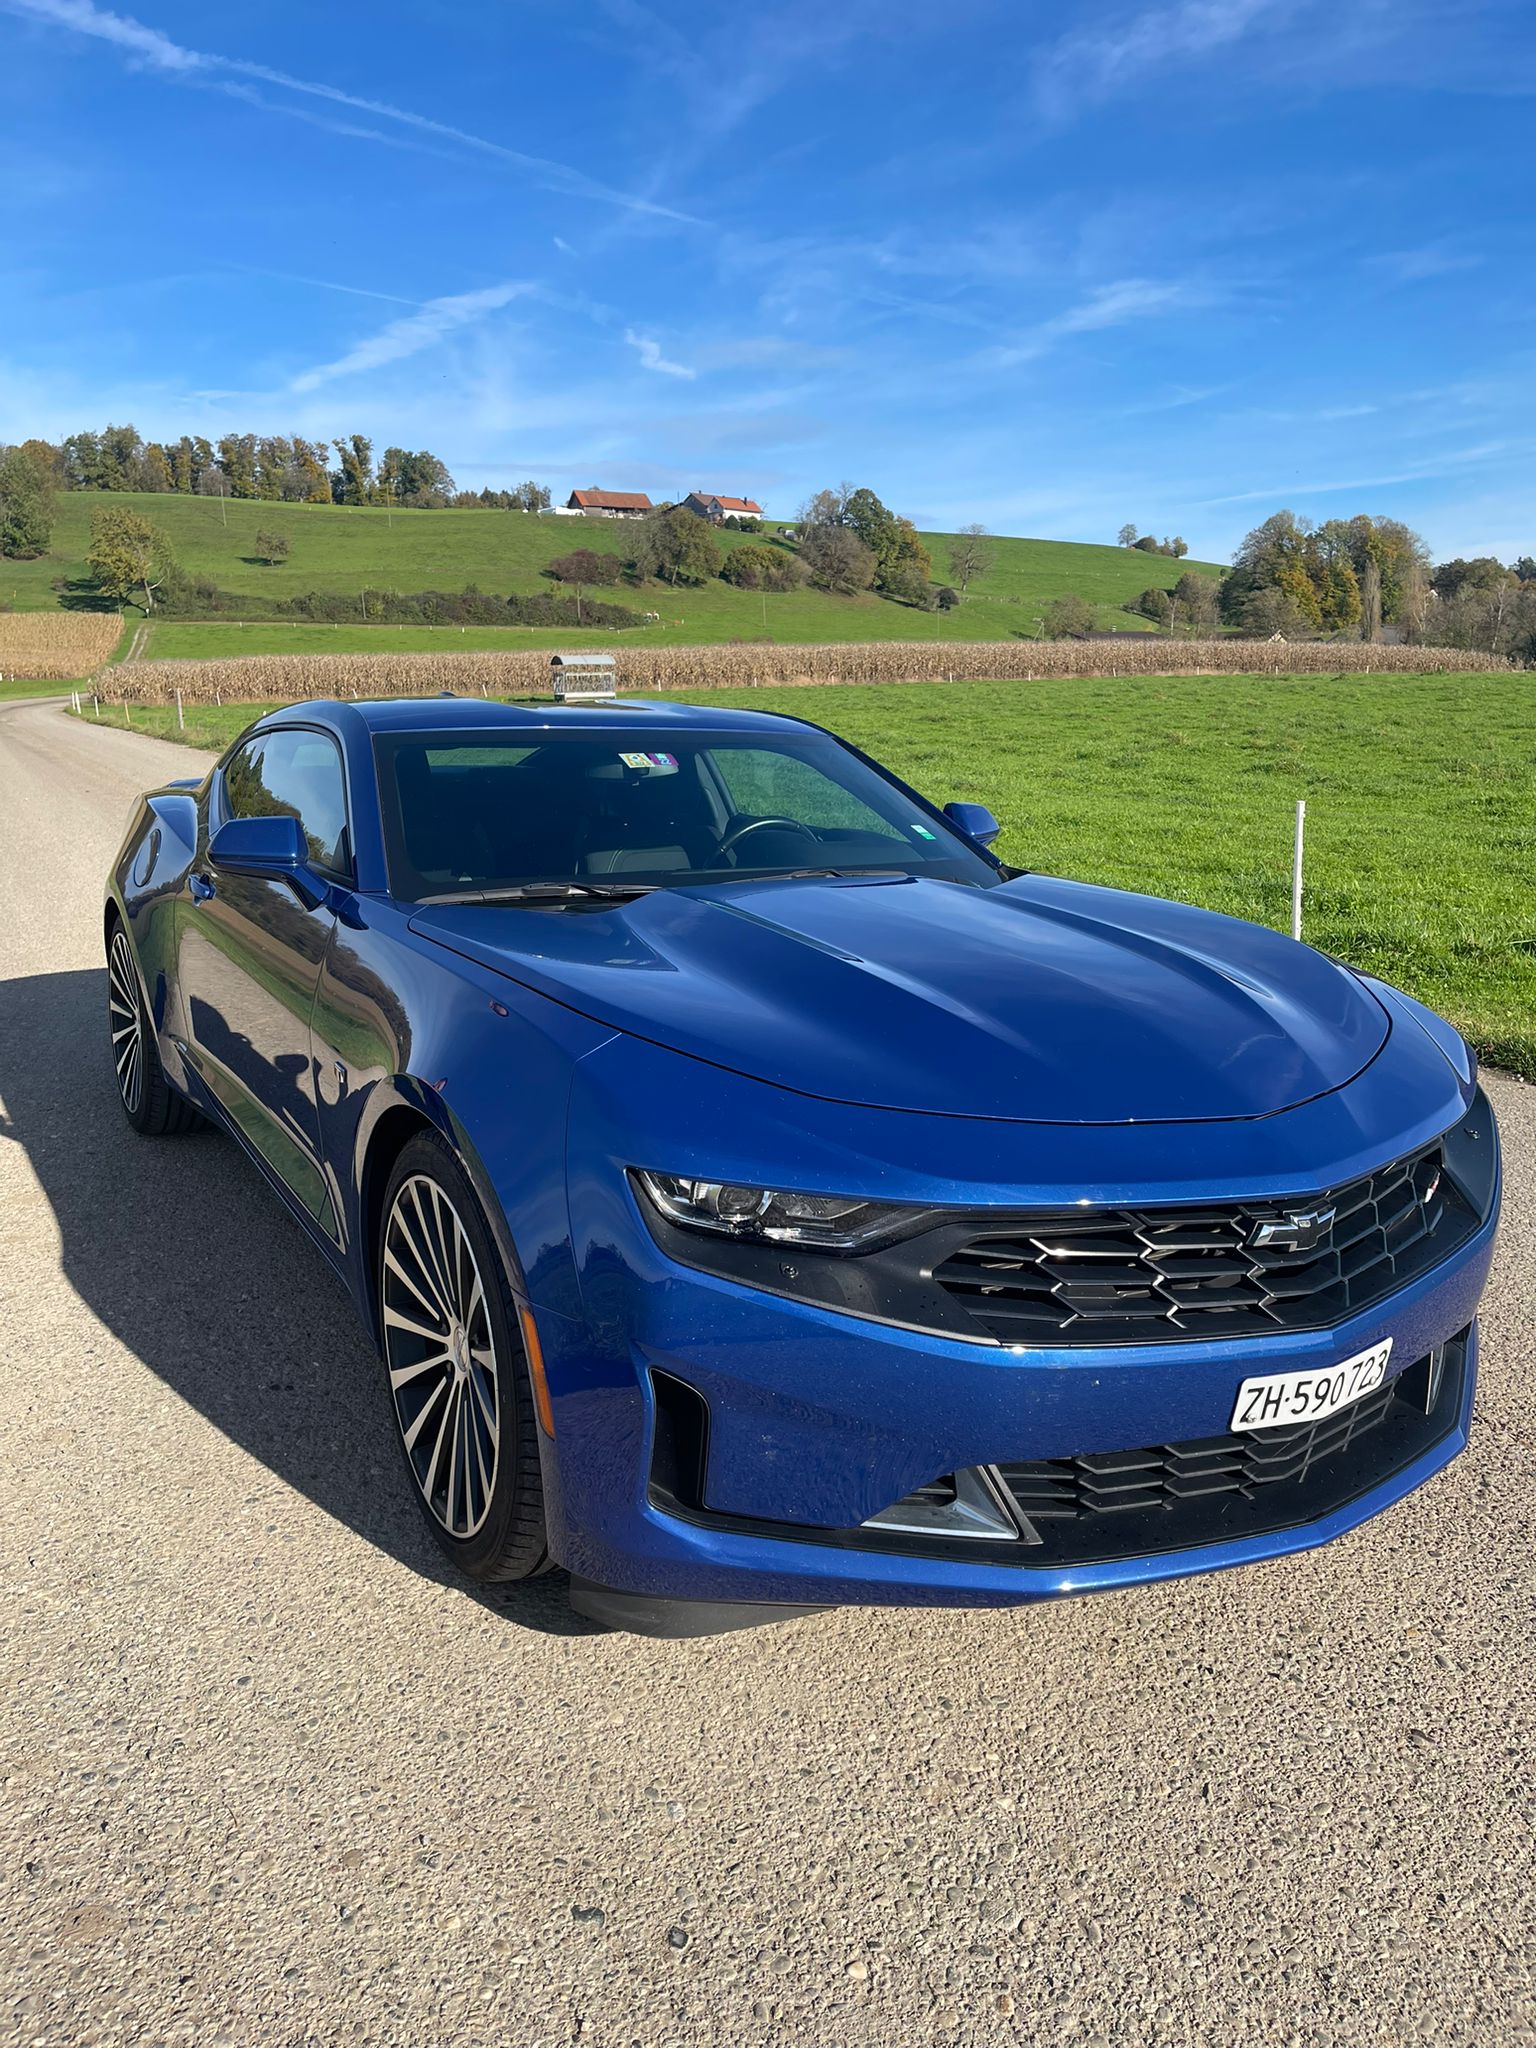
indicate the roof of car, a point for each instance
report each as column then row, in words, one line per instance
column 449, row 714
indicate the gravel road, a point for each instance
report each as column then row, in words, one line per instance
column 272, row 1778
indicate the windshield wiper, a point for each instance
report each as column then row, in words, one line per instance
column 547, row 892
column 804, row 874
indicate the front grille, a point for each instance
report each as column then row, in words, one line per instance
column 1137, row 1276
column 1123, row 1482
column 1107, row 1505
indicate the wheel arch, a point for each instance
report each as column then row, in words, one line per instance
column 409, row 1108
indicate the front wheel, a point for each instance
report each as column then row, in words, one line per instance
column 458, row 1369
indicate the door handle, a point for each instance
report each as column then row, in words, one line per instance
column 201, row 887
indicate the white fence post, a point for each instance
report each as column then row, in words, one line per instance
column 1296, row 866
column 180, row 715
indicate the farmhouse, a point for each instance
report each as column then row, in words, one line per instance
column 718, row 510
column 598, row 504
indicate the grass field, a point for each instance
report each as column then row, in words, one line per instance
column 1421, row 796
column 349, row 549
column 9, row 692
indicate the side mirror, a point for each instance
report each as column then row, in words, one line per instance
column 274, row 848
column 975, row 821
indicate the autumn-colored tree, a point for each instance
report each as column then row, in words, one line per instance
column 129, row 557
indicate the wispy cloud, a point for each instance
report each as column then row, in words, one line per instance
column 651, row 357
column 149, row 46
column 1487, row 455
column 1430, row 259
column 428, row 325
column 1111, row 305
column 1089, row 65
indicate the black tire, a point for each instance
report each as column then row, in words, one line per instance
column 437, row 1330
column 150, row 1103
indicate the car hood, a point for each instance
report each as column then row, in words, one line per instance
column 1037, row 1000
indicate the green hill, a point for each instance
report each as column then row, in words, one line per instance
column 345, row 548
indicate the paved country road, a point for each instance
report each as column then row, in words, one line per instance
column 272, row 1777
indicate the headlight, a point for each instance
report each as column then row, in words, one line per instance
column 829, row 1223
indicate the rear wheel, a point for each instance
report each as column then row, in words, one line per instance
column 458, row 1369
column 151, row 1104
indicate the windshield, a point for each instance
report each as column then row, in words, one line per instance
column 484, row 812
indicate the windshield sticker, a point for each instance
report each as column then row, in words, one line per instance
column 663, row 762
column 923, row 832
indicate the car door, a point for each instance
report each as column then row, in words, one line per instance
column 250, row 951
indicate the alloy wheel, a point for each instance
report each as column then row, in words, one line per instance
column 126, row 1022
column 441, row 1355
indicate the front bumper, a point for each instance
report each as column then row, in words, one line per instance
column 818, row 1421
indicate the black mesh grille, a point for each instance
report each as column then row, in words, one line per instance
column 1107, row 1276
column 1173, row 1496
column 1121, row 1482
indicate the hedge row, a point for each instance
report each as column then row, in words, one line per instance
column 287, row 678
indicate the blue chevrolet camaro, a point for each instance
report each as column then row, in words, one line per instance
column 763, row 1198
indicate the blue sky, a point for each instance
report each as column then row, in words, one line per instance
column 1047, row 267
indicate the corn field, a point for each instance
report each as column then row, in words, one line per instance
column 288, row 678
column 49, row 646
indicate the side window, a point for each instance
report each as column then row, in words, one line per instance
column 296, row 774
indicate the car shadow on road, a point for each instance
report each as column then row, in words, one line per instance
column 181, row 1251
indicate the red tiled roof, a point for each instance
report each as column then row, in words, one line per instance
column 737, row 504
column 611, row 501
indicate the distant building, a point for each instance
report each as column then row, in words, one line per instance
column 598, row 504
column 718, row 510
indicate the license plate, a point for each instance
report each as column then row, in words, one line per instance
column 1280, row 1399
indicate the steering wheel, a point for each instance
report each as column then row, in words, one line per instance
column 737, row 833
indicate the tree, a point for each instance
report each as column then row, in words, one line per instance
column 1154, row 603
column 1481, row 573
column 274, row 464
column 826, row 508
column 237, row 464
column 129, row 554
column 1126, row 537
column 971, row 556
column 154, row 469
column 1148, row 544
column 26, row 506
column 754, row 567
column 1524, row 569
column 272, row 546
column 1413, row 604
column 676, row 545
column 1193, row 604
column 1178, row 547
column 1370, row 601
column 352, row 484
column 837, row 559
column 583, row 568
column 312, row 482
column 181, row 465
column 947, row 599
column 1069, row 618
column 531, row 497
column 1268, row 611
